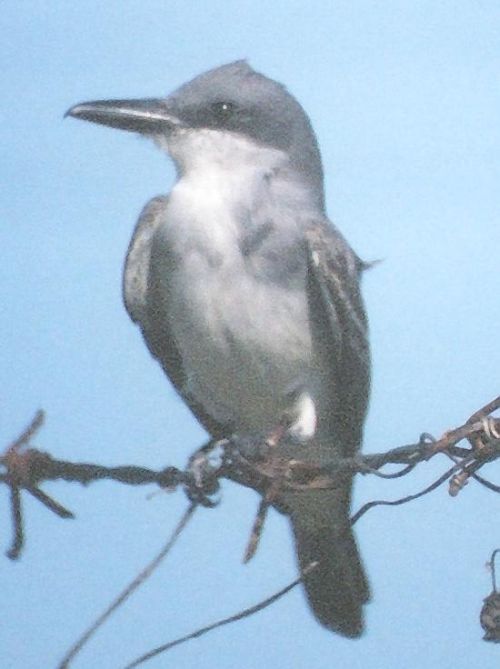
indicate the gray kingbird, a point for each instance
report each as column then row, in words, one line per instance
column 249, row 297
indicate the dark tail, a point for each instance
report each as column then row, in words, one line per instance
column 337, row 588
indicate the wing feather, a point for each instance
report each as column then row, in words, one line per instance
column 338, row 314
column 140, row 301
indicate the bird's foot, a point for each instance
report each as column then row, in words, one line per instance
column 201, row 481
column 252, row 446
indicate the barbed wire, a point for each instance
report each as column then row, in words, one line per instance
column 23, row 468
column 254, row 463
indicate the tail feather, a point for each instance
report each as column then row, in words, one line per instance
column 337, row 587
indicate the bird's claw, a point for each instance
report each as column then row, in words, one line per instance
column 252, row 446
column 201, row 476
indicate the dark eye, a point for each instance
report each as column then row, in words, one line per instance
column 223, row 110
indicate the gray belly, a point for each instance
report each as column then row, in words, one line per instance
column 245, row 344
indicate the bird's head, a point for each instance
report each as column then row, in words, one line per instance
column 224, row 111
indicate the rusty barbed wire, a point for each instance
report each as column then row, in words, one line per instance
column 261, row 468
column 23, row 468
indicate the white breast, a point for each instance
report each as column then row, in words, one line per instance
column 245, row 343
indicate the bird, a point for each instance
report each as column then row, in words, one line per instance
column 249, row 298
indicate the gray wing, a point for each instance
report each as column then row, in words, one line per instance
column 337, row 588
column 340, row 328
column 137, row 296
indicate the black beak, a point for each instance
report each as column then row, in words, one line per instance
column 148, row 116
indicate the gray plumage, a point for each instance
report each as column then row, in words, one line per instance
column 249, row 297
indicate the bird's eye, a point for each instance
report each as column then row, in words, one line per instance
column 223, row 110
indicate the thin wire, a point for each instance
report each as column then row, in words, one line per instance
column 125, row 594
column 366, row 507
column 225, row 621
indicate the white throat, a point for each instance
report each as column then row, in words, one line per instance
column 221, row 175
column 208, row 150
column 229, row 325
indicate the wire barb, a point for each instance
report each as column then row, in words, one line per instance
column 268, row 474
column 26, row 468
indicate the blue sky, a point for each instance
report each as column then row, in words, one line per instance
column 404, row 97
